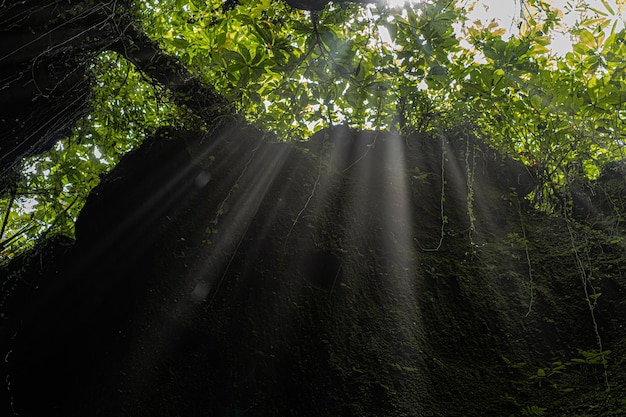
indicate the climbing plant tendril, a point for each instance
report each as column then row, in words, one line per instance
column 592, row 300
column 531, row 282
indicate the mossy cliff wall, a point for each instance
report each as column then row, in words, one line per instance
column 355, row 274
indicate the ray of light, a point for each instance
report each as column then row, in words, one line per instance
column 227, row 225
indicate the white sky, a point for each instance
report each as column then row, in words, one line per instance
column 507, row 13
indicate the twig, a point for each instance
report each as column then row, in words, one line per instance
column 306, row 204
column 5, row 221
column 530, row 270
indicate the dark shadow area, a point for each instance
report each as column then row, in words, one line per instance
column 235, row 276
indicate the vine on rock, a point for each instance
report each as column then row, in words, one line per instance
column 590, row 298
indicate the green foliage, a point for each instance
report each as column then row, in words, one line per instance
column 421, row 68
column 295, row 73
column 565, row 118
column 592, row 357
column 53, row 186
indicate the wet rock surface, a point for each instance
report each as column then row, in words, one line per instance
column 352, row 274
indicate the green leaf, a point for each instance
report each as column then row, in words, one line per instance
column 587, row 38
column 581, row 48
column 178, row 43
column 608, row 7
column 330, row 38
column 536, row 101
column 497, row 76
column 245, row 54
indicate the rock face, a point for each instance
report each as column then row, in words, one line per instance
column 355, row 274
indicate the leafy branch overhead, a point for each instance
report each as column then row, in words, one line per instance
column 296, row 67
column 295, row 72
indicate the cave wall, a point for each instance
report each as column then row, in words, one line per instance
column 230, row 275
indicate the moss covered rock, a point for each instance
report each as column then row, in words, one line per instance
column 354, row 274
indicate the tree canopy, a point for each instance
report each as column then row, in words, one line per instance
column 423, row 67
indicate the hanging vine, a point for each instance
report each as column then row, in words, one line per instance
column 442, row 200
column 591, row 297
